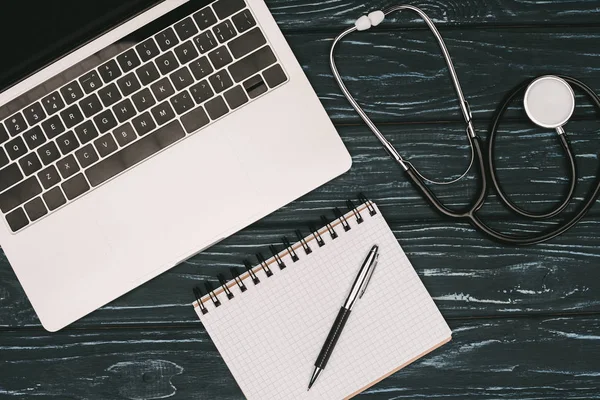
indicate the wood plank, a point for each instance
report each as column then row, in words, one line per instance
column 550, row 358
column 401, row 76
column 467, row 275
column 337, row 14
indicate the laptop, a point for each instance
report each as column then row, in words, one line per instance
column 146, row 141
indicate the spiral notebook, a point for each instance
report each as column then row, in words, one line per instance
column 270, row 323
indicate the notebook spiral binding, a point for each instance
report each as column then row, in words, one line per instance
column 263, row 264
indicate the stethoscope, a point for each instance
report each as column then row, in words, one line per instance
column 549, row 103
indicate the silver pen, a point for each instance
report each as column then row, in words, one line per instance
column 356, row 292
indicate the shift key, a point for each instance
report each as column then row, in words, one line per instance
column 252, row 64
column 20, row 194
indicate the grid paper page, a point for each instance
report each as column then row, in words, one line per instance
column 270, row 335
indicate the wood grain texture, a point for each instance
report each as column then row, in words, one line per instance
column 525, row 321
column 467, row 275
column 549, row 358
column 336, row 14
column 400, row 76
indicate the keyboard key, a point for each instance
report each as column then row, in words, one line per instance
column 224, row 31
column 163, row 113
column 147, row 50
column 124, row 134
column 167, row 63
column 243, row 21
column 67, row 166
column 86, row 156
column 128, row 60
column 274, row 76
column 54, row 199
column 147, row 73
column 205, row 42
column 202, row 92
column 201, row 68
column 109, row 95
column 129, row 84
column 216, row 108
column 225, row 8
column 3, row 158
column 90, row 81
column 67, row 142
column 35, row 209
column 162, row 89
column 34, row 114
column 252, row 64
column 105, row 145
column 247, row 43
column 143, row 100
column 134, row 153
column 48, row 153
column 75, row 187
column 143, row 124
column 72, row 116
column 34, row 137
column 15, row 124
column 30, row 164
column 9, row 176
column 182, row 78
column 195, row 120
column 3, row 134
column 220, row 81
column 124, row 110
column 86, row 132
column 235, row 97
column 205, row 18
column 17, row 220
column 255, row 86
column 186, row 52
column 182, row 102
column 91, row 105
column 49, row 177
column 19, row 194
column 220, row 57
column 71, row 92
column 166, row 39
column 53, row 127
column 186, row 29
column 105, row 121
column 109, row 71
column 53, row 103
column 16, row 148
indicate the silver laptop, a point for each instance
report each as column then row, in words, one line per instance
column 154, row 141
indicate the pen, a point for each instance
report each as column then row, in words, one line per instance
column 356, row 292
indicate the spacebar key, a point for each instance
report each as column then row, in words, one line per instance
column 135, row 153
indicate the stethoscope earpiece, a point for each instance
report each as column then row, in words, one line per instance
column 366, row 22
column 549, row 102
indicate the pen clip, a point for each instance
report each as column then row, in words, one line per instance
column 364, row 288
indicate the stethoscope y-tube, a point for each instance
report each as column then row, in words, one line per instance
column 485, row 164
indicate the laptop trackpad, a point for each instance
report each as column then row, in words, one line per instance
column 178, row 202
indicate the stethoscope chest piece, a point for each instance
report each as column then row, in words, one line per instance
column 549, row 102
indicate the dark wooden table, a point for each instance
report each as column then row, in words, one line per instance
column 525, row 320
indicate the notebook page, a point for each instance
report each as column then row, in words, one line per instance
column 270, row 335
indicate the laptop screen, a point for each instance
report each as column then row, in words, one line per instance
column 35, row 33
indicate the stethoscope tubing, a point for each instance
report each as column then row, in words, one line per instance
column 486, row 166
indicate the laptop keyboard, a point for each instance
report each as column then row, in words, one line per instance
column 129, row 101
